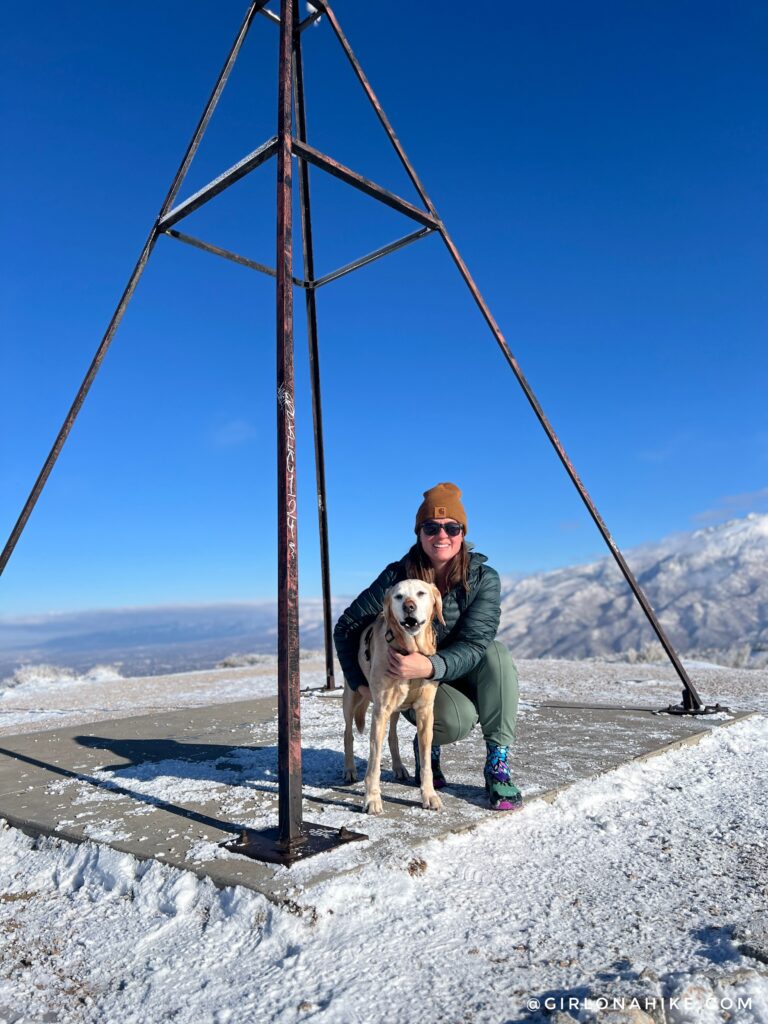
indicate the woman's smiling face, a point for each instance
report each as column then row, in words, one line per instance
column 440, row 548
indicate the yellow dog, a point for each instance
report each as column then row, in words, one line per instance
column 405, row 623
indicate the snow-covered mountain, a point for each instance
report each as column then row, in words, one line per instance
column 709, row 589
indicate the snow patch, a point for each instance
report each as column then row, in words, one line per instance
column 43, row 678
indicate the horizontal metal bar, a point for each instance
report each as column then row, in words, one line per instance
column 377, row 254
column 227, row 254
column 218, row 185
column 314, row 156
column 271, row 15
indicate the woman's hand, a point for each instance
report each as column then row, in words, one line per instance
column 408, row 666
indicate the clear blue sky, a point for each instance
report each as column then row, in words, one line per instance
column 602, row 168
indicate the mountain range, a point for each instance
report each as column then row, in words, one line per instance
column 709, row 589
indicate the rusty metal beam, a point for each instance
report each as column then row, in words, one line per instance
column 370, row 188
column 130, row 288
column 227, row 254
column 314, row 363
column 217, row 186
column 377, row 254
column 293, row 838
column 288, row 685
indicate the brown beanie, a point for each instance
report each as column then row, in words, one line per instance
column 443, row 501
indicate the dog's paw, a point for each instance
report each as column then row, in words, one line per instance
column 431, row 802
column 373, row 805
column 401, row 772
column 350, row 775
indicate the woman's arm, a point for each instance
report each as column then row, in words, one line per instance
column 362, row 611
column 476, row 628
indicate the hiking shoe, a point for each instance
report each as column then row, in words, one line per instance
column 438, row 779
column 502, row 793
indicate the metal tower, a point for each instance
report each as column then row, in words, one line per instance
column 294, row 838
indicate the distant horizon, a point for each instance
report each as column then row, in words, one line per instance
column 586, row 610
column 19, row 617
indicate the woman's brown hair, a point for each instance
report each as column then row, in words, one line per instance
column 419, row 567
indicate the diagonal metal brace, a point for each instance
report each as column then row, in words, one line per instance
column 370, row 188
column 234, row 257
column 377, row 254
column 217, row 186
column 262, row 268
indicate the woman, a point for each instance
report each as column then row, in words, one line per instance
column 477, row 677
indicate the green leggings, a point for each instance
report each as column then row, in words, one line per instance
column 488, row 694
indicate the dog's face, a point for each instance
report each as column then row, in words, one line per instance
column 412, row 604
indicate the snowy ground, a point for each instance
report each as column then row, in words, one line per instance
column 642, row 884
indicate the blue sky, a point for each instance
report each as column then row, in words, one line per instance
column 602, row 169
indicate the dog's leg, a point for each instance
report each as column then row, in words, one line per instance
column 424, row 724
column 372, row 804
column 350, row 771
column 401, row 772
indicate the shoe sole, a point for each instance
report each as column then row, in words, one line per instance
column 505, row 805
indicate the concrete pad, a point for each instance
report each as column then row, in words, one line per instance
column 174, row 786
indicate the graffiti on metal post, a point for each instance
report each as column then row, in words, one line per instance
column 285, row 398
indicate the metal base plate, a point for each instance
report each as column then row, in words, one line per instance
column 708, row 709
column 266, row 845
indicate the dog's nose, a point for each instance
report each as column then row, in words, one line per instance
column 409, row 604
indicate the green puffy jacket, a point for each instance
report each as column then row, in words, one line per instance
column 471, row 621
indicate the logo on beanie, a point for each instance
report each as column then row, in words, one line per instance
column 439, row 512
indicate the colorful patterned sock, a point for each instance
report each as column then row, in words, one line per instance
column 502, row 792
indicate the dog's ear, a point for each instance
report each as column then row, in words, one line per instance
column 386, row 608
column 438, row 603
